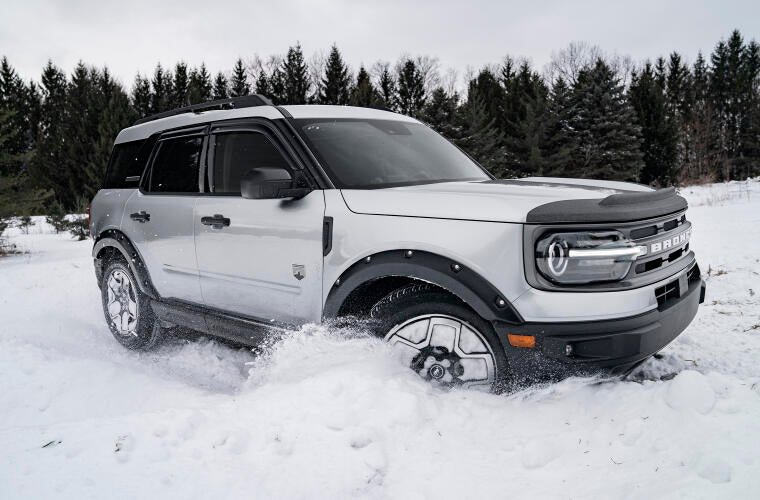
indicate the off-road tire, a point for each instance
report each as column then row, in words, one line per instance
column 422, row 299
column 147, row 332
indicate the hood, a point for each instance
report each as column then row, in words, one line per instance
column 492, row 201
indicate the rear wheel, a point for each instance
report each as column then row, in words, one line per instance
column 127, row 310
column 442, row 339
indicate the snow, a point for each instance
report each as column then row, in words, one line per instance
column 327, row 412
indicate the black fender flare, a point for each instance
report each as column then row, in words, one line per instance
column 113, row 238
column 477, row 292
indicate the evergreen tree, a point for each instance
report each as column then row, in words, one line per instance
column 142, row 96
column 221, row 89
column 46, row 168
column 411, row 89
column 277, row 86
column 560, row 144
column 658, row 128
column 180, row 89
column 524, row 118
column 161, row 97
column 492, row 94
column 17, row 196
column 440, row 112
column 477, row 135
column 604, row 124
column 295, row 77
column 334, row 88
column 114, row 113
column 363, row 94
column 677, row 88
column 200, row 86
column 15, row 99
column 388, row 97
column 262, row 85
column 700, row 135
column 82, row 120
column 239, row 82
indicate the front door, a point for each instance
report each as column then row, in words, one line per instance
column 257, row 258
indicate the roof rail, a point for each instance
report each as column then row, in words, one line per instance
column 246, row 101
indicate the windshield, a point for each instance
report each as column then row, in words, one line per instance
column 361, row 154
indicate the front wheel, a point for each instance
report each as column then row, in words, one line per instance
column 442, row 339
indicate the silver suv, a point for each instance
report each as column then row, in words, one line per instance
column 236, row 217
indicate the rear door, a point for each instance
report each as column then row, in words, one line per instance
column 266, row 264
column 159, row 217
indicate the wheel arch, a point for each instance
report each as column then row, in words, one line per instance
column 113, row 242
column 372, row 277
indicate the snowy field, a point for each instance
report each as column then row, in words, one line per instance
column 327, row 413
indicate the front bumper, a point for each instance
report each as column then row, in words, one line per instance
column 612, row 346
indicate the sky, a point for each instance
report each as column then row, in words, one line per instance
column 133, row 36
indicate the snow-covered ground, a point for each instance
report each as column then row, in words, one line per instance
column 329, row 413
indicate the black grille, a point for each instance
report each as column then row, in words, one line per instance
column 671, row 291
column 651, row 232
column 666, row 293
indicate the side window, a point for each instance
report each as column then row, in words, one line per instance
column 124, row 169
column 176, row 166
column 238, row 152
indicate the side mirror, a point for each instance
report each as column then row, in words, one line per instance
column 268, row 183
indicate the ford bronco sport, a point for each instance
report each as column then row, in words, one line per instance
column 235, row 217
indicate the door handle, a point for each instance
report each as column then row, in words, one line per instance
column 142, row 216
column 218, row 221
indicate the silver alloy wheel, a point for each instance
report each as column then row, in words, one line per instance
column 445, row 350
column 121, row 303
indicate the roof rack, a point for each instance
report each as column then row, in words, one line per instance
column 246, row 101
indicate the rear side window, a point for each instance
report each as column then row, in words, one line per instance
column 237, row 153
column 125, row 169
column 176, row 166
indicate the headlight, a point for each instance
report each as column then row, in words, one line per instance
column 585, row 257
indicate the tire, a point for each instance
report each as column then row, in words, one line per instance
column 443, row 340
column 134, row 325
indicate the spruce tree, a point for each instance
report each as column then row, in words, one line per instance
column 492, row 94
column 658, row 128
column 605, row 126
column 363, row 94
column 239, row 83
column 388, row 97
column 221, row 89
column 677, row 87
column 142, row 96
column 180, row 90
column 700, row 134
column 200, row 86
column 440, row 112
column 15, row 98
column 45, row 169
column 411, row 89
column 524, row 119
column 83, row 116
column 113, row 113
column 262, row 84
column 18, row 197
column 560, row 142
column 477, row 135
column 161, row 96
column 295, row 77
column 334, row 88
